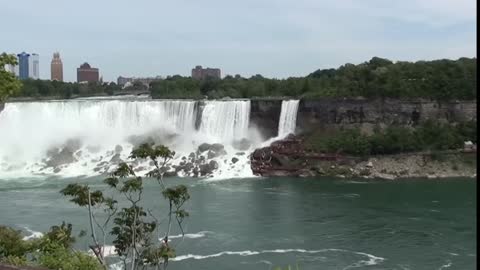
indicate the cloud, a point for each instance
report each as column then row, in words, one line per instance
column 276, row 38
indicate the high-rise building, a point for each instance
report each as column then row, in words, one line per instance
column 85, row 73
column 28, row 66
column 23, row 65
column 56, row 68
column 200, row 73
column 34, row 66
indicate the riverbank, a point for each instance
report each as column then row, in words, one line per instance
column 289, row 158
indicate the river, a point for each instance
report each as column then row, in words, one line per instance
column 261, row 223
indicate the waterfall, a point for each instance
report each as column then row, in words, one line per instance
column 226, row 120
column 89, row 136
column 288, row 118
column 97, row 132
column 31, row 130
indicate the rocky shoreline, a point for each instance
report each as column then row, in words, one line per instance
column 289, row 157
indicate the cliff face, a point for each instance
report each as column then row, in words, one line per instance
column 265, row 115
column 333, row 113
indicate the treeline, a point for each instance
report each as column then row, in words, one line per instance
column 429, row 136
column 46, row 88
column 377, row 78
column 440, row 79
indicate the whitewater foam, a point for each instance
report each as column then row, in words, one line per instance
column 87, row 137
column 33, row 234
column 372, row 260
column 191, row 235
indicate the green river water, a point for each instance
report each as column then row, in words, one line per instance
column 313, row 223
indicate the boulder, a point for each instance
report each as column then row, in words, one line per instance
column 204, row 147
column 196, row 171
column 369, row 165
column 217, row 147
column 188, row 167
column 234, row 160
column 208, row 168
column 213, row 154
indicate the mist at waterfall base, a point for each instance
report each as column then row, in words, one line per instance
column 101, row 131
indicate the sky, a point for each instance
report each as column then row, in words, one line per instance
column 274, row 38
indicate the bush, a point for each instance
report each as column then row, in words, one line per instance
column 53, row 250
column 59, row 257
column 11, row 243
column 431, row 135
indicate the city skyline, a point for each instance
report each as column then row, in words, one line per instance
column 273, row 38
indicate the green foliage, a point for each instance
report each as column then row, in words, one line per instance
column 135, row 230
column 349, row 141
column 11, row 243
column 9, row 84
column 429, row 136
column 65, row 90
column 376, row 78
column 59, row 257
column 15, row 260
column 440, row 79
column 53, row 250
column 60, row 235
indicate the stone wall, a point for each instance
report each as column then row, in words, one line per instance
column 265, row 115
column 333, row 113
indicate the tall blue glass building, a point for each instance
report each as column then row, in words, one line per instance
column 23, row 65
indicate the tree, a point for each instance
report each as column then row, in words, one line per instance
column 9, row 84
column 135, row 229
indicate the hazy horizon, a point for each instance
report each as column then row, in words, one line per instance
column 273, row 38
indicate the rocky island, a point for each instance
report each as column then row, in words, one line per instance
column 291, row 157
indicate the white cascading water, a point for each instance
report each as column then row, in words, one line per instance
column 106, row 128
column 288, row 118
column 226, row 119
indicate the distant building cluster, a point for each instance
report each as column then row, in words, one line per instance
column 126, row 81
column 200, row 73
column 28, row 66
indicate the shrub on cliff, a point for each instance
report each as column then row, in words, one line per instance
column 430, row 135
column 53, row 250
column 349, row 141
